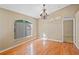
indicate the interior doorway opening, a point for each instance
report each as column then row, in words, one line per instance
column 68, row 31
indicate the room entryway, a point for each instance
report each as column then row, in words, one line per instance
column 68, row 31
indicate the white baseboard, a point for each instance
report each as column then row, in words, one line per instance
column 56, row 40
column 76, row 45
column 27, row 41
column 16, row 45
column 53, row 40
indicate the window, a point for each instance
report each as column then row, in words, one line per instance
column 22, row 29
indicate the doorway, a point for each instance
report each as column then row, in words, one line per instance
column 68, row 31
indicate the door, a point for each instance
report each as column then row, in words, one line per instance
column 68, row 31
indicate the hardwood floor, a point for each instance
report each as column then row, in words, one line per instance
column 39, row 47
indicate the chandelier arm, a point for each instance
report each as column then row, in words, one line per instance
column 44, row 14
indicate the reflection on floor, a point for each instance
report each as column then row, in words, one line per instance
column 43, row 47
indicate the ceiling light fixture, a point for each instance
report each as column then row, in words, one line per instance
column 43, row 14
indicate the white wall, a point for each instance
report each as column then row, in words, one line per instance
column 77, row 29
column 52, row 28
column 7, row 20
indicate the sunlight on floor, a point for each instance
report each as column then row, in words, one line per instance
column 44, row 38
column 31, row 49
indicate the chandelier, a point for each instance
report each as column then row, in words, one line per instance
column 43, row 14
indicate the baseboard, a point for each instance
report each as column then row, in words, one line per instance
column 56, row 40
column 17, row 45
column 53, row 39
column 76, row 45
column 25, row 39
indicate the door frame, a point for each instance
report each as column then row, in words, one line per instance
column 67, row 18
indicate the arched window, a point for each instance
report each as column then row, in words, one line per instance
column 22, row 29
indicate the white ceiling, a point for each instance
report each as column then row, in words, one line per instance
column 32, row 10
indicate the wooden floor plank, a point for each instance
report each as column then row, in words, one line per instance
column 39, row 47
